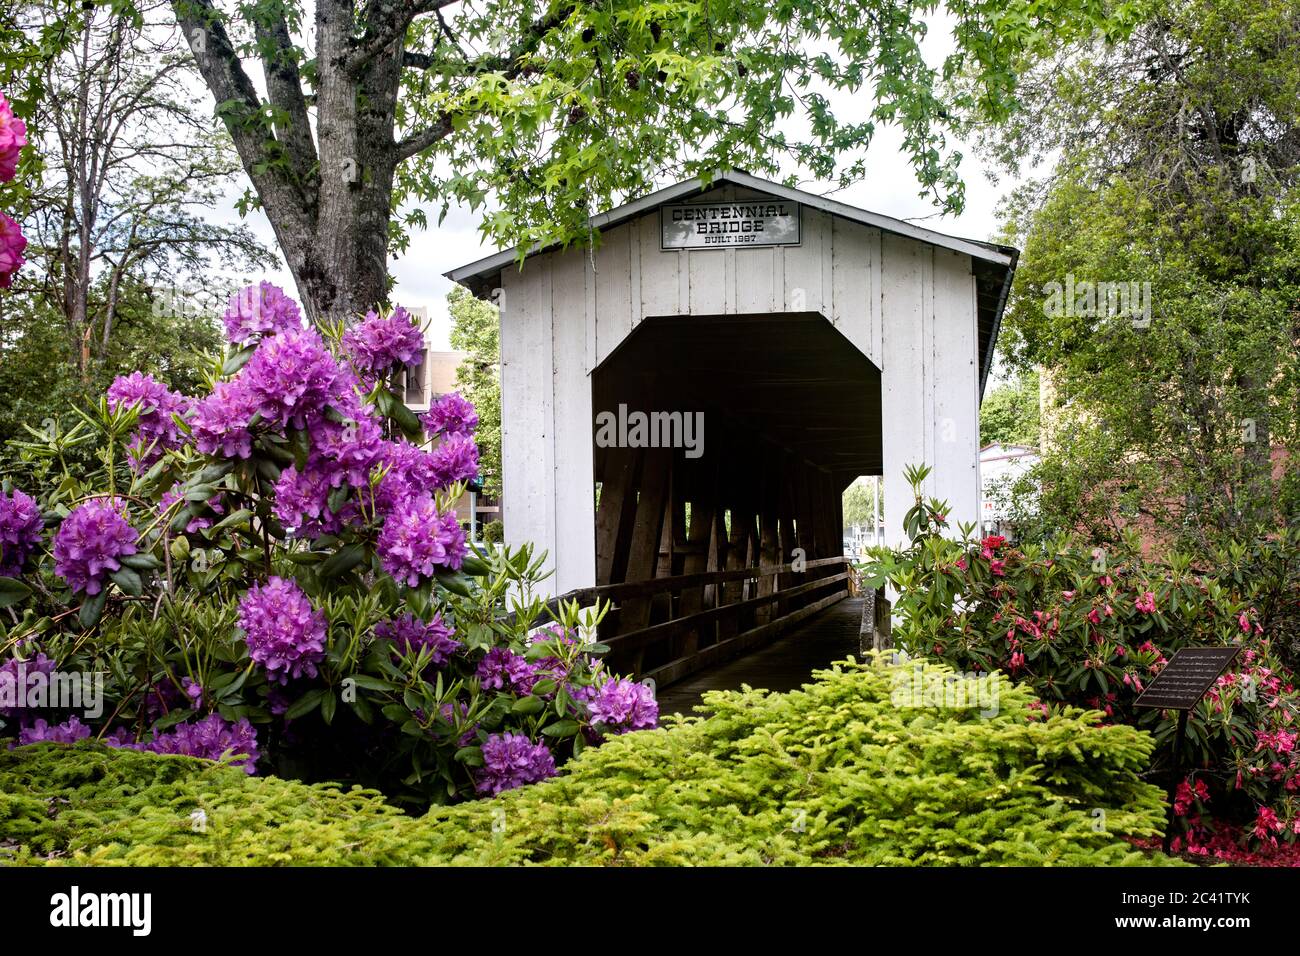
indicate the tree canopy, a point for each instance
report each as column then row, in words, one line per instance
column 377, row 114
column 475, row 330
column 1176, row 383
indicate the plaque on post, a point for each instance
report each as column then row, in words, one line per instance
column 1186, row 677
column 1180, row 686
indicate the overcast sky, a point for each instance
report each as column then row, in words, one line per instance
column 890, row 187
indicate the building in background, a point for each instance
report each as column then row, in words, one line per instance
column 1000, row 467
column 433, row 377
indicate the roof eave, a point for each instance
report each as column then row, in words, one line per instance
column 473, row 273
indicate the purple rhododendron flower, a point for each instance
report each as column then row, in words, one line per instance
column 89, row 543
column 284, row 633
column 220, row 421
column 291, row 378
column 346, row 452
column 410, row 472
column 503, row 669
column 302, row 504
column 455, row 459
column 452, row 414
column 411, row 635
column 210, row 738
column 378, row 344
column 416, row 540
column 156, row 429
column 260, row 309
column 20, row 531
column 622, row 705
column 512, row 760
column 68, row 732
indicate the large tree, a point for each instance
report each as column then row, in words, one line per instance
column 1009, row 412
column 1178, row 168
column 550, row 108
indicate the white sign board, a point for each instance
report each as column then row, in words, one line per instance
column 723, row 225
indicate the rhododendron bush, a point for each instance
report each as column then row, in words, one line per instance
column 1091, row 628
column 273, row 571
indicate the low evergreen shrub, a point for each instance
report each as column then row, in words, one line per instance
column 846, row 771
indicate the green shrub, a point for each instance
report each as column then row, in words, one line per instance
column 836, row 773
column 1091, row 628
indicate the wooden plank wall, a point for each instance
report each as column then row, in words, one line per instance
column 907, row 306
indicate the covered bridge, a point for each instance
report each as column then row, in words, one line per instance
column 780, row 344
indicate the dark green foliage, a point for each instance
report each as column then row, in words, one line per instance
column 835, row 773
column 1009, row 412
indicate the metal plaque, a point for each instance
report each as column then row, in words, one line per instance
column 727, row 225
column 1185, row 679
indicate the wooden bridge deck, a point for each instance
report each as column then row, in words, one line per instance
column 785, row 664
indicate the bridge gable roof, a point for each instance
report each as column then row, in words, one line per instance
column 992, row 264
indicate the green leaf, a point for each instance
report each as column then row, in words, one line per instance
column 528, row 705
column 327, row 705
column 338, row 497
column 142, row 561
column 269, row 469
column 200, row 493
column 406, row 420
column 361, row 707
column 368, row 682
column 470, row 756
column 235, row 517
column 345, row 559
column 92, row 609
column 128, row 581
column 305, row 704
column 238, row 360
column 12, row 591
column 455, row 583
column 562, row 728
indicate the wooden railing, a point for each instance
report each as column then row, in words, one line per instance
column 666, row 628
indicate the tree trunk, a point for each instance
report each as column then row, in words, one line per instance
column 330, row 206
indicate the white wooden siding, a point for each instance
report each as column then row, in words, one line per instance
column 907, row 305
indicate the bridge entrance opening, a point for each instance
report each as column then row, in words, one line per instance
column 722, row 445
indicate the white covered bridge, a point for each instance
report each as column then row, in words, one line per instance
column 780, row 344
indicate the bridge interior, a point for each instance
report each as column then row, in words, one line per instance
column 697, row 546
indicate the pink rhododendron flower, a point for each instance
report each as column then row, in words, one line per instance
column 12, row 244
column 1146, row 603
column 13, row 137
